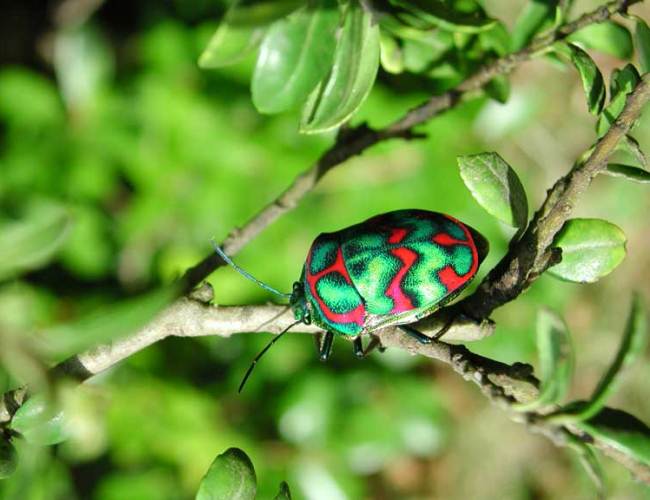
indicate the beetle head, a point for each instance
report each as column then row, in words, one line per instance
column 299, row 305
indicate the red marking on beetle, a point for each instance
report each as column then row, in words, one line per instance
column 401, row 301
column 397, row 235
column 450, row 279
column 469, row 243
column 356, row 315
column 446, row 239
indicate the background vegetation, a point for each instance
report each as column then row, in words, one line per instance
column 109, row 120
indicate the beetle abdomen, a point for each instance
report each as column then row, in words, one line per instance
column 389, row 269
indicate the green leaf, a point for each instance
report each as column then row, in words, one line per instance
column 356, row 62
column 628, row 172
column 620, row 431
column 632, row 343
column 496, row 187
column 390, row 55
column 229, row 45
column 591, row 249
column 445, row 16
column 498, row 88
column 590, row 463
column 284, row 493
column 592, row 80
column 39, row 423
column 109, row 323
column 608, row 37
column 242, row 29
column 230, row 477
column 31, row 243
column 8, row 459
column 496, row 39
column 623, row 81
column 537, row 15
column 556, row 360
column 642, row 42
column 296, row 53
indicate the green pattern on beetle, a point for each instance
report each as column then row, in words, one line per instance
column 391, row 269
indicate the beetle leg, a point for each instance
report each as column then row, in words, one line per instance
column 357, row 347
column 374, row 343
column 326, row 346
column 417, row 335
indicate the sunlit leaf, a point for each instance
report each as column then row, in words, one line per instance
column 592, row 79
column 230, row 477
column 556, row 360
column 628, row 172
column 536, row 15
column 620, row 431
column 296, row 53
column 356, row 62
column 111, row 322
column 8, row 458
column 241, row 30
column 642, row 44
column 591, row 249
column 608, row 37
column 445, row 16
column 30, row 243
column 496, row 187
column 622, row 83
column 391, row 56
column 39, row 422
column 284, row 493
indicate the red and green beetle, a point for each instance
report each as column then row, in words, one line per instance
column 391, row 269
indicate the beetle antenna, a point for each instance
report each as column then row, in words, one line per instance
column 257, row 358
column 245, row 274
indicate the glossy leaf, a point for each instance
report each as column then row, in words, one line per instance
column 31, row 242
column 111, row 322
column 39, row 423
column 242, row 29
column 622, row 83
column 592, row 79
column 230, row 477
column 349, row 82
column 284, row 493
column 296, row 53
column 536, row 15
column 556, row 360
column 632, row 343
column 496, row 187
column 8, row 458
column 496, row 39
column 230, row 45
column 608, row 37
column 444, row 16
column 628, row 172
column 642, row 43
column 591, row 249
column 391, row 56
column 621, row 431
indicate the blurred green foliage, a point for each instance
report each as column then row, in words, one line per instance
column 151, row 157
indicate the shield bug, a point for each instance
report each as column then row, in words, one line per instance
column 391, row 269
